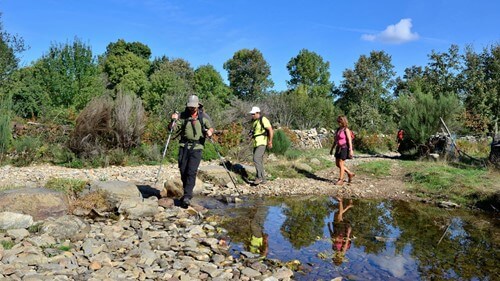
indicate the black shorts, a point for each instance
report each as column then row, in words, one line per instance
column 341, row 153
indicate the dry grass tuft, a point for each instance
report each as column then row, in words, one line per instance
column 92, row 201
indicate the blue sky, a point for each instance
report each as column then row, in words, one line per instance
column 211, row 31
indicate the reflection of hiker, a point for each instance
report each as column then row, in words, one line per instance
column 258, row 242
column 194, row 127
column 400, row 137
column 343, row 151
column 340, row 232
column 262, row 134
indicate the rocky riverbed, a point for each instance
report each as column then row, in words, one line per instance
column 148, row 238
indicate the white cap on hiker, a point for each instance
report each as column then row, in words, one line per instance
column 255, row 109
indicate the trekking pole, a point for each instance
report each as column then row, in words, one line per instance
column 224, row 164
column 165, row 150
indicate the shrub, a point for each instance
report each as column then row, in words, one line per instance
column 150, row 154
column 5, row 129
column 68, row 186
column 374, row 143
column 106, row 124
column 232, row 136
column 26, row 148
column 128, row 120
column 210, row 151
column 281, row 143
column 293, row 154
column 61, row 155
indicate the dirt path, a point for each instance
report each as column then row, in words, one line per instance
column 363, row 186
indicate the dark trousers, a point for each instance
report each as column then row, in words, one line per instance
column 258, row 160
column 189, row 161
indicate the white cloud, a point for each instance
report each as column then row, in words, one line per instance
column 394, row 34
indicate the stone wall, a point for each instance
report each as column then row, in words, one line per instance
column 311, row 138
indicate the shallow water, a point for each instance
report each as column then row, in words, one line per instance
column 366, row 240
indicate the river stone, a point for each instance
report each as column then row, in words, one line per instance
column 66, row 227
column 172, row 188
column 40, row 203
column 18, row 233
column 137, row 208
column 217, row 174
column 117, row 190
column 9, row 220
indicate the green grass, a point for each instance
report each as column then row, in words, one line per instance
column 7, row 245
column 68, row 186
column 377, row 169
column 460, row 184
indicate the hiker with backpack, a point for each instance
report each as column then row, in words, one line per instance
column 193, row 128
column 262, row 135
column 344, row 149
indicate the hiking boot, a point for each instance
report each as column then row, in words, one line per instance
column 258, row 181
column 185, row 202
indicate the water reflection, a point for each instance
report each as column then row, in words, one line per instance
column 362, row 239
column 340, row 231
column 258, row 242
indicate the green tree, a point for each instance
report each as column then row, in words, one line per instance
column 420, row 113
column 308, row 70
column 208, row 84
column 10, row 45
column 69, row 74
column 440, row 74
column 5, row 126
column 480, row 81
column 249, row 74
column 29, row 98
column 126, row 66
column 171, row 83
column 310, row 112
column 365, row 94
column 213, row 92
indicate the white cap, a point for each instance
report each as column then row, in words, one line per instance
column 255, row 109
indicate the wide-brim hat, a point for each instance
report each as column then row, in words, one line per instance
column 193, row 101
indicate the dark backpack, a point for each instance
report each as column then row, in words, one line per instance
column 201, row 115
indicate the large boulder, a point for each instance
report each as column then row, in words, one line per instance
column 117, row 191
column 40, row 203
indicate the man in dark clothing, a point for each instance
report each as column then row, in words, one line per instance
column 193, row 128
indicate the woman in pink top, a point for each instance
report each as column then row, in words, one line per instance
column 343, row 143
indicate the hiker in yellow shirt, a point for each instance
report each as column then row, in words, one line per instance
column 262, row 134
